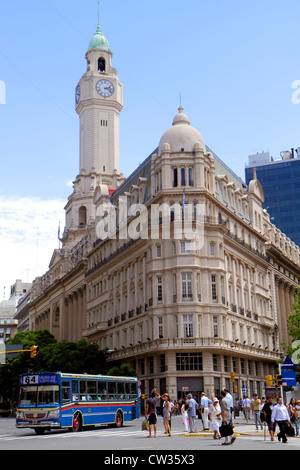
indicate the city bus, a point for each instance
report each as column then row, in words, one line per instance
column 73, row 401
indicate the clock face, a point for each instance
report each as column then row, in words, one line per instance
column 105, row 88
column 77, row 94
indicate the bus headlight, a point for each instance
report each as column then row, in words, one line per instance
column 19, row 414
column 53, row 414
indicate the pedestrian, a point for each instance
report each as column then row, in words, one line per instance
column 247, row 408
column 297, row 408
column 192, row 407
column 151, row 413
column 294, row 415
column 184, row 415
column 267, row 413
column 205, row 402
column 256, row 408
column 167, row 413
column 215, row 417
column 280, row 415
column 226, row 417
column 230, row 399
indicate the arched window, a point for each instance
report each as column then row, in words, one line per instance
column 82, row 216
column 101, row 64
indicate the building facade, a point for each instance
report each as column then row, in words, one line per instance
column 280, row 182
column 177, row 269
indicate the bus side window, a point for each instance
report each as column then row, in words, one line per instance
column 102, row 393
column 127, row 391
column 121, row 391
column 82, row 390
column 75, row 391
column 133, row 391
column 112, row 391
column 92, row 390
column 66, row 392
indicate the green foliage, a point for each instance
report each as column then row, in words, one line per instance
column 52, row 356
column 293, row 323
column 122, row 371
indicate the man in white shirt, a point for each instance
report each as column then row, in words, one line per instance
column 280, row 415
column 205, row 402
column 247, row 408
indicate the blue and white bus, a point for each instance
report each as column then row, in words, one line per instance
column 73, row 401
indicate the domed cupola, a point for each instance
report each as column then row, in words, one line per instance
column 181, row 137
column 99, row 41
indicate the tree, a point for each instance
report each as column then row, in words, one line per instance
column 52, row 356
column 122, row 371
column 293, row 327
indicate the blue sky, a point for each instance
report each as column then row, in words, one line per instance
column 233, row 62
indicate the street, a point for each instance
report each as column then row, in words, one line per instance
column 130, row 440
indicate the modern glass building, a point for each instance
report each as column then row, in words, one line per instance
column 280, row 180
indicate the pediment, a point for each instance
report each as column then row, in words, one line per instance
column 56, row 258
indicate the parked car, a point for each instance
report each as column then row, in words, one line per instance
column 5, row 409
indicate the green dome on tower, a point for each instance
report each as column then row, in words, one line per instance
column 99, row 41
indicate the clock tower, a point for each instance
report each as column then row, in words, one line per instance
column 98, row 102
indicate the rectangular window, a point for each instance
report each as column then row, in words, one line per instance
column 159, row 289
column 215, row 327
column 214, row 289
column 191, row 181
column 160, row 327
column 186, row 286
column 189, row 361
column 182, row 174
column 185, row 248
column 175, row 178
column 163, row 363
column 188, row 327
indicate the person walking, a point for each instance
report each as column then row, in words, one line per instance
column 204, row 403
column 280, row 415
column 215, row 416
column 226, row 417
column 256, row 409
column 247, row 408
column 151, row 413
column 267, row 413
column 184, row 415
column 294, row 413
column 193, row 405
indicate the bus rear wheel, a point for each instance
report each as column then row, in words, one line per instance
column 77, row 423
column 119, row 419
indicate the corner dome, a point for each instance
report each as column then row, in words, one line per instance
column 99, row 41
column 181, row 135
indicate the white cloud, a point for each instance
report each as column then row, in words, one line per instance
column 28, row 236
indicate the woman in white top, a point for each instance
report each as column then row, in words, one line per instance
column 215, row 418
column 184, row 415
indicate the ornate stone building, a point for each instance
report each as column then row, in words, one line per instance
column 177, row 269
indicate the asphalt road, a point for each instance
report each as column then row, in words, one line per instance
column 131, row 442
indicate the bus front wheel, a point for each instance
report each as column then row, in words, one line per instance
column 77, row 423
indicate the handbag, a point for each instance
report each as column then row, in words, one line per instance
column 226, row 430
column 289, row 430
column 145, row 425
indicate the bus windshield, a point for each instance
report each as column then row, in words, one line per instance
column 39, row 396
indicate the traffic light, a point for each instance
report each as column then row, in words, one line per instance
column 33, row 351
column 279, row 379
column 232, row 376
column 269, row 380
